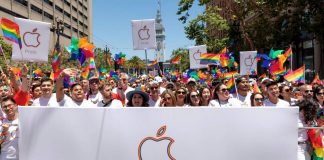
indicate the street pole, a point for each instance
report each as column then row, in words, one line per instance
column 58, row 29
column 146, row 61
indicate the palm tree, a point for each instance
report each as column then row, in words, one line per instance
column 136, row 63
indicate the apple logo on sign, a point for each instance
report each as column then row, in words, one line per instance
column 196, row 55
column 248, row 61
column 158, row 147
column 31, row 39
column 143, row 33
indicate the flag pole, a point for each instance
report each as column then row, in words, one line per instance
column 291, row 58
column 235, row 87
column 304, row 74
column 146, row 61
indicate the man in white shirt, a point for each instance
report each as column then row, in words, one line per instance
column 10, row 131
column 108, row 101
column 122, row 88
column 154, row 94
column 273, row 96
column 94, row 95
column 243, row 91
column 47, row 98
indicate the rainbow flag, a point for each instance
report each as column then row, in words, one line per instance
column 57, row 60
column 288, row 53
column 297, row 75
column 92, row 64
column 230, row 74
column 317, row 80
column 176, row 60
column 109, row 60
column 11, row 31
column 256, row 88
column 209, row 58
column 37, row 73
column 85, row 72
column 315, row 138
column 231, row 85
column 263, row 76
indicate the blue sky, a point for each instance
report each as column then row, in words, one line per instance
column 112, row 24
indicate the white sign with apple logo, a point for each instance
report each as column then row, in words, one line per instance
column 144, row 35
column 194, row 56
column 35, row 37
column 248, row 62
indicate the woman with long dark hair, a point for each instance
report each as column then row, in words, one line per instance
column 222, row 97
column 257, row 99
column 205, row 95
column 319, row 96
column 181, row 97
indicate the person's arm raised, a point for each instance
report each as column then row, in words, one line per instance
column 60, row 87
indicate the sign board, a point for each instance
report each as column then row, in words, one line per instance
column 144, row 34
column 158, row 133
column 248, row 63
column 194, row 56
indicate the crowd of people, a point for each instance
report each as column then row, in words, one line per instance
column 144, row 91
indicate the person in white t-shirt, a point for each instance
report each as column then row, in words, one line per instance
column 9, row 130
column 94, row 95
column 273, row 96
column 222, row 97
column 122, row 88
column 243, row 90
column 47, row 98
column 155, row 99
column 108, row 101
column 76, row 92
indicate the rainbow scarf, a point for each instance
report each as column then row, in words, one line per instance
column 11, row 31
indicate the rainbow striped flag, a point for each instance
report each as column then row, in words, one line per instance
column 57, row 60
column 297, row 75
column 317, row 80
column 288, row 53
column 256, row 88
column 109, row 62
column 230, row 74
column 231, row 85
column 11, row 31
column 209, row 58
column 176, row 60
column 315, row 138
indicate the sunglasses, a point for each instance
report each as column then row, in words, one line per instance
column 259, row 99
column 287, row 90
column 309, row 91
column 154, row 88
column 320, row 93
column 224, row 90
column 194, row 96
column 180, row 92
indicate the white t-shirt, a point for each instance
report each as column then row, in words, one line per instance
column 42, row 101
column 280, row 103
column 245, row 100
column 9, row 148
column 232, row 102
column 95, row 98
column 115, row 103
column 68, row 102
column 114, row 91
column 154, row 103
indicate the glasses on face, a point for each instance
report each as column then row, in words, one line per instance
column 287, row 90
column 7, row 106
column 154, row 88
column 124, row 79
column 259, row 99
column 181, row 92
column 95, row 81
column 224, row 90
column 169, row 87
column 194, row 96
column 320, row 94
column 308, row 91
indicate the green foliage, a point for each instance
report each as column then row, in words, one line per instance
column 184, row 62
column 136, row 63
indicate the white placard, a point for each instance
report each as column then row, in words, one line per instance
column 248, row 62
column 158, row 133
column 194, row 56
column 35, row 38
column 144, row 34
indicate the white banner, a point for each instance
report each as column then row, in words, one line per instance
column 35, row 38
column 194, row 56
column 144, row 36
column 158, row 133
column 248, row 63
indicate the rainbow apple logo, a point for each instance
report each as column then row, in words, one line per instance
column 196, row 55
column 31, row 39
column 143, row 33
column 158, row 147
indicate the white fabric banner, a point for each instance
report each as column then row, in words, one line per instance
column 194, row 56
column 248, row 63
column 35, row 38
column 144, row 36
column 158, row 133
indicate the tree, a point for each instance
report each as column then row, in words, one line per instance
column 136, row 63
column 184, row 62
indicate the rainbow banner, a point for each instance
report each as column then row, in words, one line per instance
column 210, row 58
column 11, row 31
column 231, row 85
column 297, row 75
column 230, row 74
column 315, row 138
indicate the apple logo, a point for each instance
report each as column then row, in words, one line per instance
column 248, row 61
column 156, row 147
column 196, row 55
column 143, row 33
column 31, row 39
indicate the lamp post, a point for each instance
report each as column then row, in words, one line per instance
column 58, row 30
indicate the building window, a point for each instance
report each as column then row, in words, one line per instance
column 74, row 30
column 80, row 3
column 80, row 23
column 85, row 17
column 48, row 15
column 36, row 9
column 67, row 14
column 23, row 2
column 81, row 33
column 85, row 8
column 75, row 19
column 67, row 25
column 75, row 9
column 85, row 26
column 81, row 13
column 59, row 8
column 48, row 2
column 67, row 2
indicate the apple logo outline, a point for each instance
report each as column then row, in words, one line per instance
column 195, row 53
column 158, row 138
column 142, row 30
column 32, row 33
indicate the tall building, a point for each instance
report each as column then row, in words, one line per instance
column 160, row 36
column 75, row 14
